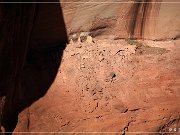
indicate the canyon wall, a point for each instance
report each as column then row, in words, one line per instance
column 31, row 60
column 116, row 19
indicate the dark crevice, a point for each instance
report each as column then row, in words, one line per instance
column 126, row 128
column 28, row 119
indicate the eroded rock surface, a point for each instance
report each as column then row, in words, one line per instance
column 111, row 86
column 117, row 19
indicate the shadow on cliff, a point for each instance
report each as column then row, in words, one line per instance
column 33, row 37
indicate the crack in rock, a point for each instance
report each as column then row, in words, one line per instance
column 66, row 124
column 94, row 108
column 28, row 120
column 126, row 128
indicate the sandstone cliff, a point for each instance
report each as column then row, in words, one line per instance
column 106, row 83
column 154, row 19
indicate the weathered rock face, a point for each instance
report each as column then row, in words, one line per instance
column 111, row 86
column 103, row 85
column 122, row 20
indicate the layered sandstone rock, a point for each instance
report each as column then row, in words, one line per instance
column 115, row 19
